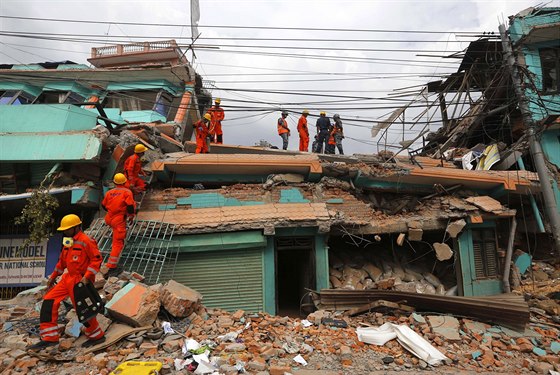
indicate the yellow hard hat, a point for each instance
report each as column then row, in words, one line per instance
column 139, row 148
column 207, row 116
column 69, row 221
column 305, row 112
column 323, row 113
column 119, row 179
column 217, row 100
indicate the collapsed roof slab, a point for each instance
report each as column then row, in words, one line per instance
column 423, row 179
column 225, row 219
column 200, row 168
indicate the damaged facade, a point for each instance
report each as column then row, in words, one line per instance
column 68, row 127
column 258, row 229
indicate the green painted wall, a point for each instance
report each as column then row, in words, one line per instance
column 55, row 147
column 70, row 86
column 32, row 90
column 142, row 116
column 321, row 262
column 147, row 85
column 221, row 241
column 45, row 118
column 269, row 279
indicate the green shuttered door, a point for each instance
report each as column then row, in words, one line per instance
column 230, row 280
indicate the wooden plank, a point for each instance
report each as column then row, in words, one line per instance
column 377, row 305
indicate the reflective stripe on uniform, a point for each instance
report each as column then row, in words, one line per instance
column 53, row 334
column 96, row 334
column 48, row 329
column 80, row 243
column 58, row 270
column 92, row 270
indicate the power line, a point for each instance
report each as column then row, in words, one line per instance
column 238, row 27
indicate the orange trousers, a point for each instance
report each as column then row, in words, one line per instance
column 136, row 184
column 118, row 224
column 303, row 142
column 201, row 146
column 48, row 327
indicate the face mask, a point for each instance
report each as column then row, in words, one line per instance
column 67, row 241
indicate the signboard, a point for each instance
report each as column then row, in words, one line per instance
column 22, row 265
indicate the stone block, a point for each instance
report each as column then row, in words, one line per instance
column 135, row 304
column 415, row 234
column 446, row 326
column 15, row 342
column 443, row 251
column 455, row 227
column 179, row 300
column 279, row 370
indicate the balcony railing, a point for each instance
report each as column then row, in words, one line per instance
column 121, row 49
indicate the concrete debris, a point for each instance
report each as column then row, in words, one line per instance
column 262, row 343
column 487, row 204
column 415, row 234
column 455, row 227
column 135, row 304
column 400, row 239
column 443, row 251
column 179, row 300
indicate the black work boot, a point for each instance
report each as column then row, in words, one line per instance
column 42, row 345
column 91, row 342
column 114, row 272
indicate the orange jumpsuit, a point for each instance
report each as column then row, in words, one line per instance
column 201, row 135
column 119, row 203
column 132, row 171
column 216, row 132
column 82, row 259
column 303, row 134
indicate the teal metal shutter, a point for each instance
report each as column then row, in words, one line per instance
column 230, row 280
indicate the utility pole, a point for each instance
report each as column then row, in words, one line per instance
column 550, row 203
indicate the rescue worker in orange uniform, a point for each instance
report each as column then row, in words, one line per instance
column 217, row 116
column 202, row 131
column 329, row 147
column 120, row 205
column 283, row 130
column 338, row 133
column 133, row 169
column 303, row 131
column 80, row 255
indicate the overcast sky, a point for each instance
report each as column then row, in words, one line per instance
column 359, row 85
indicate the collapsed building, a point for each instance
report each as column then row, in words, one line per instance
column 259, row 229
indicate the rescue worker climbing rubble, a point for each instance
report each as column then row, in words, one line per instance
column 80, row 256
column 217, row 115
column 120, row 205
column 133, row 169
column 303, row 131
column 202, row 132
column 283, row 130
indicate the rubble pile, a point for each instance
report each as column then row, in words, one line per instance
column 385, row 275
column 169, row 324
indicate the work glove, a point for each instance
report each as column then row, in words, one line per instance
column 51, row 282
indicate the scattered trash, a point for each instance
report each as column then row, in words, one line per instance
column 334, row 322
column 306, row 323
column 137, row 368
column 167, row 328
column 299, row 359
column 409, row 339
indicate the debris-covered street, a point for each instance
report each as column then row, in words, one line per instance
column 170, row 325
column 279, row 187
